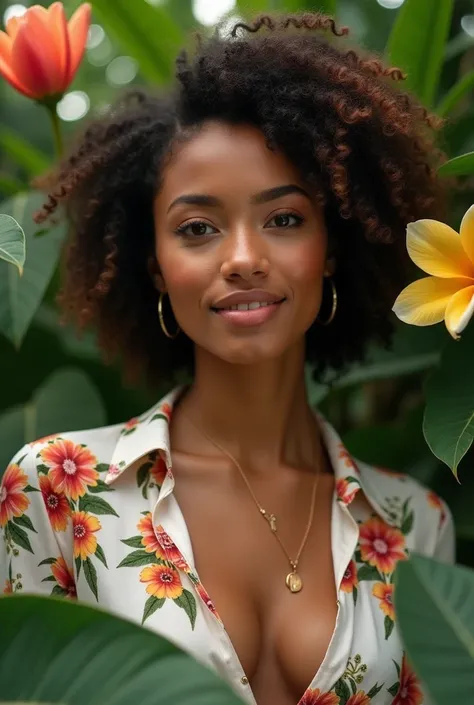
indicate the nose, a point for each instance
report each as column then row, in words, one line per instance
column 245, row 256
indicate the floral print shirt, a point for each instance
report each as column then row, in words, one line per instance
column 92, row 514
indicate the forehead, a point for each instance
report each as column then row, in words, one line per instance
column 225, row 157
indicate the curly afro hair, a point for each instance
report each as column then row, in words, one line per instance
column 335, row 112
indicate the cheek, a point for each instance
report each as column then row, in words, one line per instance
column 304, row 264
column 186, row 276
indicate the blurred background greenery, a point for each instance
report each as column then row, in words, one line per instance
column 51, row 381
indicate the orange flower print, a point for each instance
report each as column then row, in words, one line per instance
column 44, row 439
column 359, row 698
column 130, row 426
column 72, row 467
column 384, row 593
column 56, row 504
column 168, row 550
column 166, row 410
column 163, row 581
column 13, row 501
column 347, row 458
column 206, row 599
column 149, row 540
column 8, row 589
column 409, row 691
column 64, row 577
column 344, row 494
column 381, row 545
column 315, row 697
column 84, row 526
column 349, row 579
column 159, row 470
column 435, row 502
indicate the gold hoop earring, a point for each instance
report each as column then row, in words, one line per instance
column 162, row 320
column 333, row 307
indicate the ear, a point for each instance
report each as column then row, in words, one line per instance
column 155, row 273
column 330, row 267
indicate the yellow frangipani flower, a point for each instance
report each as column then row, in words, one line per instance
column 448, row 293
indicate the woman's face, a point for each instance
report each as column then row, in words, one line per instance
column 236, row 226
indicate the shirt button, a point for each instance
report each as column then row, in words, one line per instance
column 244, row 680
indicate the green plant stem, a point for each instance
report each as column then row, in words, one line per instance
column 57, row 134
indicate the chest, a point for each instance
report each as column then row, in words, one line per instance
column 238, row 617
column 279, row 637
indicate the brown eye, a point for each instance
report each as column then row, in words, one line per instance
column 196, row 228
column 285, row 220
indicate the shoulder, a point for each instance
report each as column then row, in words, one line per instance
column 410, row 506
column 67, row 450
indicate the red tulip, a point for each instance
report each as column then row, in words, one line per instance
column 40, row 51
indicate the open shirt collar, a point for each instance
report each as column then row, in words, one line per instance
column 150, row 432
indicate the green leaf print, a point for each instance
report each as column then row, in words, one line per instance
column 355, row 595
column 49, row 579
column 133, row 541
column 100, row 487
column 353, row 685
column 102, row 467
column 19, row 536
column 158, row 416
column 137, row 558
column 389, row 624
column 58, row 591
column 151, row 605
column 47, row 561
column 374, row 691
column 342, row 691
column 29, row 488
column 78, row 563
column 187, row 601
column 393, row 690
column 25, row 521
column 90, row 575
column 99, row 552
column 369, row 572
column 95, row 505
column 407, row 519
column 42, row 469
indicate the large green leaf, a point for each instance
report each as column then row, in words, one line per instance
column 250, row 7
column 56, row 651
column 449, row 416
column 67, row 401
column 31, row 159
column 456, row 94
column 328, row 7
column 417, row 43
column 12, row 241
column 146, row 32
column 413, row 350
column 458, row 166
column 435, row 613
column 20, row 297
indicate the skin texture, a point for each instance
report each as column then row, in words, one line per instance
column 249, row 396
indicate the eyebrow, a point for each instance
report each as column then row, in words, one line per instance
column 271, row 194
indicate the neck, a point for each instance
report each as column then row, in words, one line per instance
column 258, row 413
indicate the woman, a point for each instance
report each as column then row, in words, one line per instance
column 249, row 221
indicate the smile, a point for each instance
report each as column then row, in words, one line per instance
column 254, row 313
column 247, row 307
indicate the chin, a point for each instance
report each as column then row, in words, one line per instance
column 250, row 352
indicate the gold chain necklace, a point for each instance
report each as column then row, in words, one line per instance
column 293, row 580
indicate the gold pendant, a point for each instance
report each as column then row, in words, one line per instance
column 294, row 582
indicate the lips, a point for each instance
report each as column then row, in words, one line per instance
column 247, row 300
column 253, row 305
